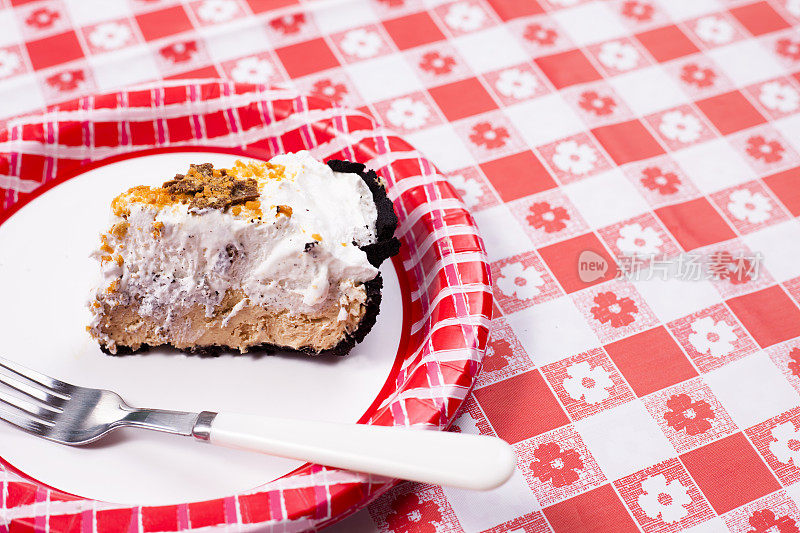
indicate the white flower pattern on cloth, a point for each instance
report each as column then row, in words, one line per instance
column 668, row 500
column 618, row 55
column 464, row 17
column 565, row 3
column 786, row 443
column 252, row 70
column 9, row 62
column 711, row 337
column 516, row 83
column 217, row 10
column 753, row 207
column 574, row 157
column 361, row 43
column 678, row 126
column 589, row 383
column 714, row 30
column 519, row 281
column 469, row 190
column 779, row 96
column 408, row 113
column 110, row 35
column 636, row 240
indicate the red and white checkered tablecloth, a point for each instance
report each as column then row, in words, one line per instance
column 645, row 133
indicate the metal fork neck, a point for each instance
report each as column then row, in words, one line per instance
column 202, row 427
column 177, row 422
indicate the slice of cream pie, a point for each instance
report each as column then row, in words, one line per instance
column 278, row 255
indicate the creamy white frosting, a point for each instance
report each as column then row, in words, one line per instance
column 201, row 255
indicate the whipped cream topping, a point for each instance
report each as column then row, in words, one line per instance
column 304, row 262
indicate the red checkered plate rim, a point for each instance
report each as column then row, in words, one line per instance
column 442, row 260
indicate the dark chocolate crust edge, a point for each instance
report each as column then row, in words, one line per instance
column 386, row 246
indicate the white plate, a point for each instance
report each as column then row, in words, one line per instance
column 45, row 281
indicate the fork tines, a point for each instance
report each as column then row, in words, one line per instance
column 29, row 399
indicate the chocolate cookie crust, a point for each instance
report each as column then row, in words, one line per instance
column 387, row 245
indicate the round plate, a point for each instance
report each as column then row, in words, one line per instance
column 60, row 171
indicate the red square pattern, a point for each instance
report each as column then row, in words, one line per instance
column 587, row 383
column 689, row 414
column 522, row 281
column 114, row 520
column 413, row 30
column 712, row 337
column 695, row 223
column 254, row 508
column 574, row 158
column 730, row 473
column 628, row 141
column 307, row 57
column 769, row 315
column 776, row 440
column 651, row 360
column 209, row 513
column 162, row 518
column 597, row 510
column 106, row 133
column 775, row 512
column 663, row 498
column 786, row 356
column 462, row 99
column 164, row 22
column 667, row 43
column 216, row 124
column 505, row 356
column 640, row 237
column 661, row 181
column 730, row 112
column 180, row 129
column 614, row 310
column 54, row 50
column 580, row 471
column 534, row 522
column 765, row 149
column 568, row 68
column 734, row 269
column 759, row 18
column 548, row 216
column 521, row 407
column 793, row 288
column 413, row 504
column 509, row 9
column 260, row 6
column 563, row 259
column 680, row 127
column 65, row 523
column 518, row 175
column 472, row 420
column 18, row 494
column 70, row 133
column 749, row 206
column 786, row 186
column 143, row 133
column 473, row 187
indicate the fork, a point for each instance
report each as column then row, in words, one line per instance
column 73, row 415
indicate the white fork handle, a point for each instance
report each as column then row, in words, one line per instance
column 437, row 457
